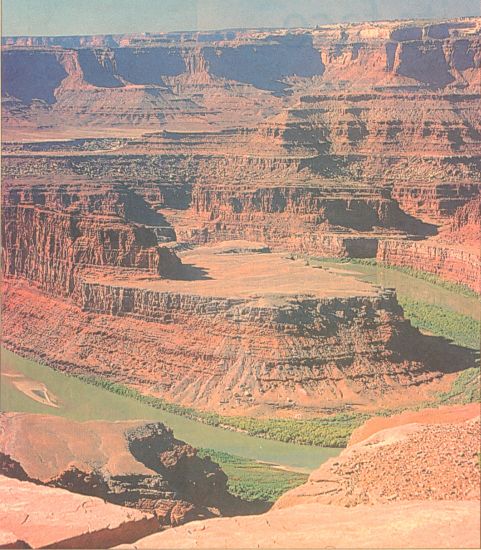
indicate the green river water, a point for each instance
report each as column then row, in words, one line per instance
column 82, row 401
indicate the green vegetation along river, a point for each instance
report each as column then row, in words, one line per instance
column 81, row 401
column 285, row 442
column 409, row 286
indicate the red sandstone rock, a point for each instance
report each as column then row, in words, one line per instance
column 44, row 517
column 441, row 415
column 350, row 141
column 264, row 348
column 132, row 464
column 396, row 525
column 406, row 462
column 448, row 261
column 10, row 540
column 430, row 470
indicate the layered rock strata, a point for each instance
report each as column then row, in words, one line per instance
column 320, row 339
column 350, row 141
column 50, row 235
column 454, row 255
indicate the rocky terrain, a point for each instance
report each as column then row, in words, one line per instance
column 129, row 464
column 73, row 521
column 283, row 335
column 121, row 152
column 164, row 197
column 421, row 478
column 434, row 460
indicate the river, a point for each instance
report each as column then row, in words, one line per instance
column 81, row 401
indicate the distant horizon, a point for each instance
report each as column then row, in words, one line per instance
column 228, row 29
column 66, row 18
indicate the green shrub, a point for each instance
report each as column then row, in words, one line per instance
column 252, row 480
column 461, row 329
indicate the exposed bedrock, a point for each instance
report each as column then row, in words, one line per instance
column 424, row 455
column 72, row 521
column 48, row 238
column 268, row 352
column 454, row 254
column 446, row 260
column 132, row 464
column 418, row 473
column 331, row 53
column 328, row 220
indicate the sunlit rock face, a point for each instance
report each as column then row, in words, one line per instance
column 122, row 153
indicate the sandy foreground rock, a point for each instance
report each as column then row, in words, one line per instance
column 133, row 463
column 441, row 415
column 409, row 486
column 404, row 463
column 37, row 516
column 400, row 525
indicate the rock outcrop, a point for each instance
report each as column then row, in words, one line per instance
column 420, row 479
column 411, row 525
column 72, row 520
column 454, row 255
column 129, row 464
column 447, row 261
column 434, row 460
column 441, row 415
column 282, row 334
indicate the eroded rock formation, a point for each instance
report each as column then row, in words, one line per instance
column 434, row 460
column 132, row 464
column 453, row 255
column 421, row 479
column 282, row 334
column 121, row 152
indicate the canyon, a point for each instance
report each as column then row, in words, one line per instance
column 419, row 475
column 417, row 471
column 174, row 210
column 121, row 153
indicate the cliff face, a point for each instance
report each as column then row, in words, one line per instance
column 343, row 134
column 354, row 140
column 49, row 237
column 445, row 260
column 263, row 353
column 453, row 255
column 135, row 464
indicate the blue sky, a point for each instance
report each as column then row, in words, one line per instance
column 67, row 17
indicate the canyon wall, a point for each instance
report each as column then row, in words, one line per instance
column 49, row 236
column 121, row 153
column 449, row 262
column 265, row 353
column 453, row 255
